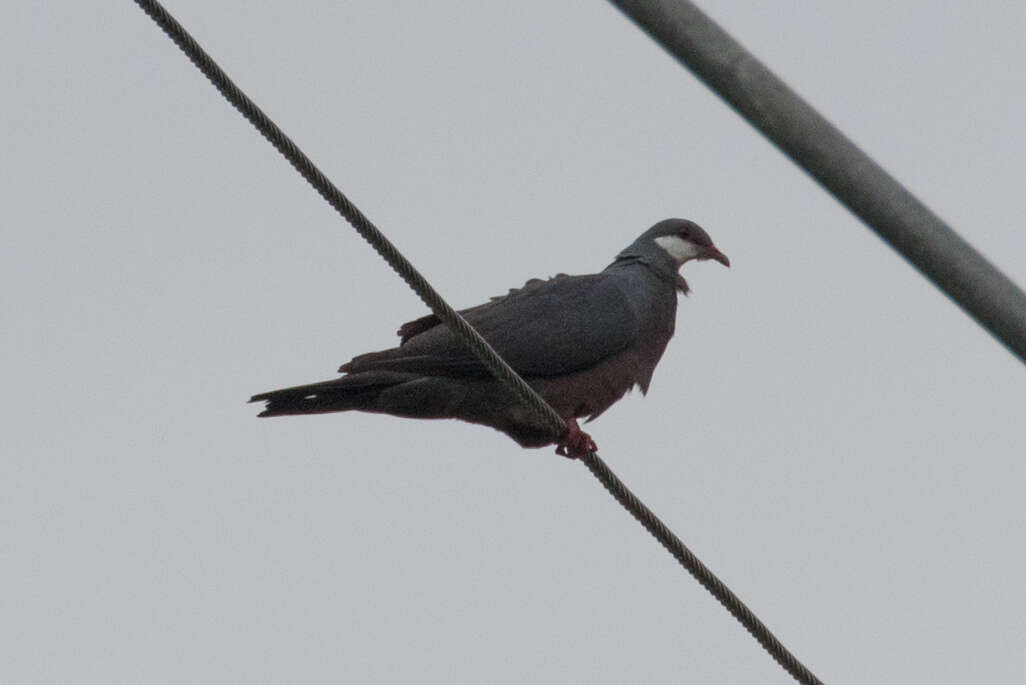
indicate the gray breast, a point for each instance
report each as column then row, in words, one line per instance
column 589, row 392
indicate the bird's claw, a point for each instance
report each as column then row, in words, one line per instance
column 577, row 443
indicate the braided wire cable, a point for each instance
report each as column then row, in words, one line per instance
column 495, row 364
column 367, row 230
column 716, row 587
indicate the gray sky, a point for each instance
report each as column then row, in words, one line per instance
column 827, row 431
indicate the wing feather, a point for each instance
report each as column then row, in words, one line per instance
column 547, row 328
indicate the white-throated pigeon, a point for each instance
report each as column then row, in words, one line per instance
column 580, row 341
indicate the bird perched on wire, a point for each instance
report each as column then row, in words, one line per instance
column 580, row 341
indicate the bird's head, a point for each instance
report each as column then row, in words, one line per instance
column 684, row 240
column 671, row 243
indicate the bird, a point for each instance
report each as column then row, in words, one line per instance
column 581, row 342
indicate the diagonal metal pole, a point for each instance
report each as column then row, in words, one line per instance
column 827, row 155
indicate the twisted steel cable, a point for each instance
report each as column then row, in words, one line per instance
column 381, row 244
column 495, row 364
column 716, row 587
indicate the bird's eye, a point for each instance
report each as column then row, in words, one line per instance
column 685, row 234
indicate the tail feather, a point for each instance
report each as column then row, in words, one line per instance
column 341, row 394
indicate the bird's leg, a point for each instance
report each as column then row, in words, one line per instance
column 577, row 443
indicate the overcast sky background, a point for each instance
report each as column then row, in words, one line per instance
column 839, row 442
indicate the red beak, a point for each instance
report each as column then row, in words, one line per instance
column 712, row 253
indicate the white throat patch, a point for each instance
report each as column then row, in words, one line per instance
column 679, row 249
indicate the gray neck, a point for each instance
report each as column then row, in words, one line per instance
column 661, row 266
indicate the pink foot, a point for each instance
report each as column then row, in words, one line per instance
column 577, row 443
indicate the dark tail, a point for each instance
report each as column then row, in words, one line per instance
column 342, row 394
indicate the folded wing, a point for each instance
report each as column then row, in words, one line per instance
column 547, row 328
